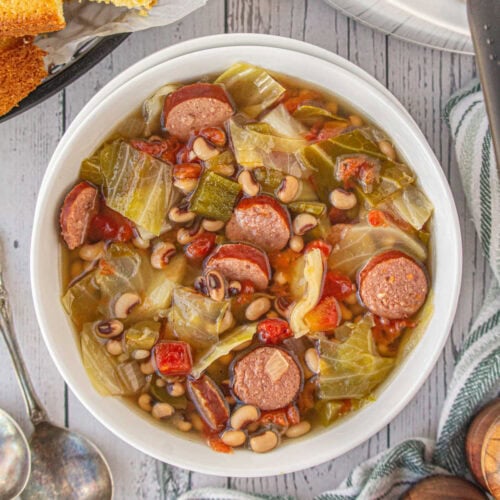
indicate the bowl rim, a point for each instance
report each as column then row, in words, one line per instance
column 37, row 286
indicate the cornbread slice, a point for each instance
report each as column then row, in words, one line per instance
column 130, row 4
column 30, row 17
column 21, row 70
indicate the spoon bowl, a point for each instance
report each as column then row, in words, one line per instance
column 15, row 463
column 66, row 465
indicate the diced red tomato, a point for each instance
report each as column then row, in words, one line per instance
column 273, row 330
column 312, row 135
column 357, row 168
column 201, row 246
column 321, row 245
column 337, row 285
column 216, row 443
column 293, row 415
column 331, row 129
column 215, row 135
column 295, row 100
column 325, row 316
column 165, row 149
column 173, row 357
column 109, row 225
column 246, row 294
column 275, row 417
column 377, row 218
column 282, row 261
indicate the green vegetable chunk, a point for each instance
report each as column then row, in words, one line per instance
column 310, row 114
column 311, row 207
column 142, row 335
column 252, row 88
column 215, row 197
column 232, row 339
column 352, row 368
column 108, row 375
column 197, row 319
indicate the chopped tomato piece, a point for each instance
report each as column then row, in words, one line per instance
column 293, row 415
column 297, row 99
column 201, row 246
column 246, row 294
column 325, row 316
column 321, row 245
column 275, row 417
column 173, row 357
column 164, row 149
column 331, row 129
column 337, row 285
column 273, row 330
column 359, row 168
column 377, row 218
column 282, row 261
column 216, row 443
column 109, row 225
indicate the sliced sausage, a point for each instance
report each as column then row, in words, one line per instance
column 267, row 377
column 78, row 209
column 393, row 285
column 260, row 220
column 237, row 261
column 209, row 401
column 196, row 106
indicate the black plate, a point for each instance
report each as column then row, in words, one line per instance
column 83, row 60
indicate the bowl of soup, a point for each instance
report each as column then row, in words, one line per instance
column 254, row 259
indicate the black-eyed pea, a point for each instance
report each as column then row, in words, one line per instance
column 176, row 389
column 388, row 149
column 280, row 278
column 234, row 288
column 288, row 189
column 296, row 243
column 114, row 347
column 162, row 410
column 248, row 184
column 91, row 252
column 160, row 382
column 356, row 120
column 262, row 443
column 109, row 329
column 212, row 225
column 257, row 308
column 243, row 416
column 203, row 150
column 297, row 430
column 141, row 243
column 197, row 422
column 140, row 354
column 234, row 438
column 311, row 359
column 253, row 427
column 161, row 254
column 216, row 285
column 147, row 368
column 304, row 223
column 125, row 303
column 145, row 402
column 181, row 215
column 342, row 199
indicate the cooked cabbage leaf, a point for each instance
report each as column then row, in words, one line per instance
column 153, row 107
column 283, row 123
column 123, row 269
column 225, row 345
column 197, row 319
column 361, row 241
column 353, row 368
column 310, row 114
column 321, row 157
column 108, row 375
column 413, row 206
column 252, row 88
column 256, row 149
column 312, row 281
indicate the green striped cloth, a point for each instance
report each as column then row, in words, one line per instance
column 477, row 370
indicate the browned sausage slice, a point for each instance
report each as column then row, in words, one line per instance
column 237, row 261
column 267, row 377
column 260, row 220
column 196, row 106
column 78, row 209
column 393, row 285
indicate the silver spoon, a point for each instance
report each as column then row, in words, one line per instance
column 63, row 463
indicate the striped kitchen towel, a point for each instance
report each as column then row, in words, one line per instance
column 477, row 371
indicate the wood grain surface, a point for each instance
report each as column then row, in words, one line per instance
column 423, row 79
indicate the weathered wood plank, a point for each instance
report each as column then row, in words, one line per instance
column 26, row 144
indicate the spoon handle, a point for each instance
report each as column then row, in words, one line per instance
column 35, row 409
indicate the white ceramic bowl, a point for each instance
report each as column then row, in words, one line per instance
column 113, row 103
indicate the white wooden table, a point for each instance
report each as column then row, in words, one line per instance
column 421, row 78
